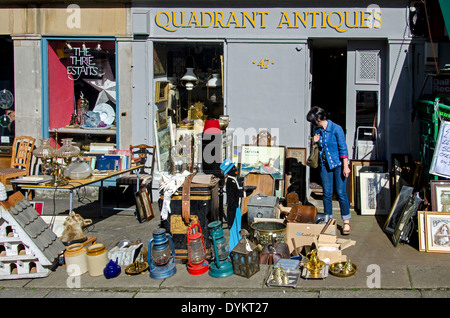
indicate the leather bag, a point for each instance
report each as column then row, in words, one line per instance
column 302, row 214
column 271, row 253
column 313, row 159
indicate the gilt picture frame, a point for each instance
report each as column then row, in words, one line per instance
column 161, row 91
column 437, row 231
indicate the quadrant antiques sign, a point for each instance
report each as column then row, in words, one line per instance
column 341, row 21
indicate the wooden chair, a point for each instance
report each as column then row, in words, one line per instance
column 22, row 149
column 140, row 154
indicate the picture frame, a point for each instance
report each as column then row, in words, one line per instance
column 402, row 167
column 161, row 118
column 397, row 208
column 140, row 210
column 421, row 230
column 163, row 141
column 295, row 171
column 357, row 166
column 161, row 91
column 263, row 159
column 437, row 231
column 440, row 195
column 375, row 193
column 404, row 224
column 144, row 209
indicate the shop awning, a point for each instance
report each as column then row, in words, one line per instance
column 445, row 8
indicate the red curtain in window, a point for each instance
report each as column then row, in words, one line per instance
column 60, row 88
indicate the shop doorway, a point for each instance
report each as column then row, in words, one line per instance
column 328, row 89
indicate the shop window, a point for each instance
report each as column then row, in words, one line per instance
column 82, row 88
column 366, row 113
column 7, row 110
column 197, row 98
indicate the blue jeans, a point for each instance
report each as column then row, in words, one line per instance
column 328, row 176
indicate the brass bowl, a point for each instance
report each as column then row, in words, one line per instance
column 136, row 268
column 315, row 268
column 338, row 269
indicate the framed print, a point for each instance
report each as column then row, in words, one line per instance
column 357, row 166
column 295, row 170
column 375, row 196
column 263, row 159
column 421, row 230
column 163, row 143
column 146, row 204
column 440, row 195
column 161, row 118
column 140, row 210
column 437, row 231
column 397, row 209
column 161, row 91
column 404, row 226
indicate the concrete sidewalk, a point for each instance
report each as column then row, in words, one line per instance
column 384, row 271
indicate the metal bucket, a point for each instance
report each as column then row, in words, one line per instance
column 268, row 232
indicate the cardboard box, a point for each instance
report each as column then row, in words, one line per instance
column 330, row 247
column 305, row 233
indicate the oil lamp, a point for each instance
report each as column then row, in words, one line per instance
column 245, row 257
column 221, row 267
column 161, row 259
column 196, row 250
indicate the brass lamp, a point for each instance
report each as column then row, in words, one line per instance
column 245, row 257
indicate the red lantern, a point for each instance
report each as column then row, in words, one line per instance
column 196, row 250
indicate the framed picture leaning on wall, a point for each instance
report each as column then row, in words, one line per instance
column 374, row 193
column 437, row 231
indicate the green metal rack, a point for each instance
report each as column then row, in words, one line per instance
column 431, row 112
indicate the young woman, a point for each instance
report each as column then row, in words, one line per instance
column 333, row 162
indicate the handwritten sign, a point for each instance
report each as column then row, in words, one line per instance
column 440, row 164
column 82, row 64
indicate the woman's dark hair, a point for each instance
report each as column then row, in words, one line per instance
column 315, row 114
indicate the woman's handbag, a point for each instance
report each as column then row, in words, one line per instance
column 313, row 159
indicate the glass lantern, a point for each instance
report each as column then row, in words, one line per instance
column 245, row 257
column 44, row 151
column 161, row 258
column 67, row 150
column 196, row 250
column 221, row 267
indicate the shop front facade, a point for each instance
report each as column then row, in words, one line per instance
column 64, row 55
column 268, row 65
column 358, row 60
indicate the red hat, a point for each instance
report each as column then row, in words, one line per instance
column 212, row 127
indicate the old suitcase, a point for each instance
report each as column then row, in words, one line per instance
column 262, row 206
column 202, row 204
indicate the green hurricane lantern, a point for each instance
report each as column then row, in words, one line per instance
column 220, row 267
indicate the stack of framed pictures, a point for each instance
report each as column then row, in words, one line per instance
column 373, row 175
column 434, row 226
column 434, row 231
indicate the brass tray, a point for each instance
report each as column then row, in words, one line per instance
column 136, row 268
column 338, row 269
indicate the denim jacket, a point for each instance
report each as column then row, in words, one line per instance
column 332, row 144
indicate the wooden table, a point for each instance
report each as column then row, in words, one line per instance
column 72, row 185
